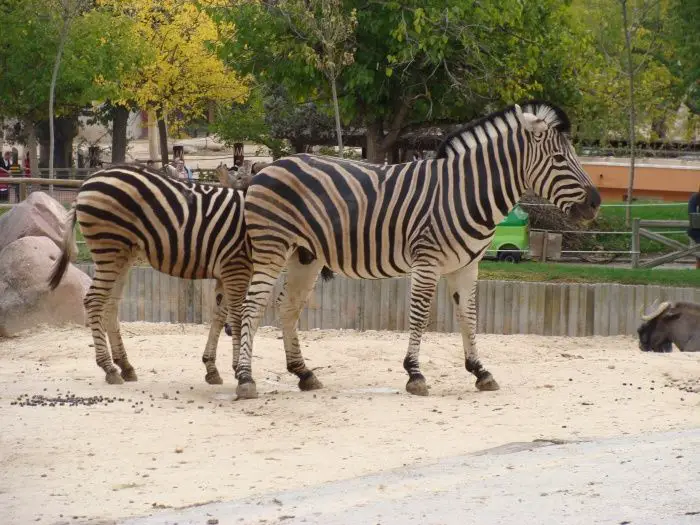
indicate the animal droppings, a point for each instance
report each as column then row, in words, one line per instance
column 67, row 399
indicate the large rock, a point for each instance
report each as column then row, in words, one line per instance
column 25, row 298
column 39, row 215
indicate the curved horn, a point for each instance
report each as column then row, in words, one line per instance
column 654, row 311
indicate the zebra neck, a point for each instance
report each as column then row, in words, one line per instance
column 492, row 185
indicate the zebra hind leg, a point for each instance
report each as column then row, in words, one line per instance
column 112, row 324
column 462, row 283
column 424, row 281
column 301, row 278
column 106, row 273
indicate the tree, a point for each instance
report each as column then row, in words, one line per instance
column 416, row 61
column 684, row 36
column 185, row 72
column 327, row 36
column 69, row 10
column 98, row 50
column 634, row 84
column 269, row 117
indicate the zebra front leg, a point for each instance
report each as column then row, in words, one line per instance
column 235, row 281
column 423, row 284
column 301, row 279
column 462, row 284
column 219, row 312
column 265, row 275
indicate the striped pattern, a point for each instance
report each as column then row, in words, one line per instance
column 183, row 229
column 427, row 218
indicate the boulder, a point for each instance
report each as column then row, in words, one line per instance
column 25, row 298
column 39, row 215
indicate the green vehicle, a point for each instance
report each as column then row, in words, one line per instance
column 511, row 242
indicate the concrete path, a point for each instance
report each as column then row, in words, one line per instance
column 642, row 480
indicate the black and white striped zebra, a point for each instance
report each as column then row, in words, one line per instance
column 184, row 229
column 427, row 218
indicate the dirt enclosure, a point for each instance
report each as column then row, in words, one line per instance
column 171, row 440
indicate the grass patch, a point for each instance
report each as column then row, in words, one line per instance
column 612, row 218
column 572, row 273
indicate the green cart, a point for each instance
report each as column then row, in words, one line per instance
column 511, row 242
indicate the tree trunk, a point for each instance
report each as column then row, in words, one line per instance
column 52, row 90
column 152, row 137
column 163, row 136
column 65, row 130
column 630, row 75
column 336, row 109
column 119, row 122
column 373, row 136
column 31, row 146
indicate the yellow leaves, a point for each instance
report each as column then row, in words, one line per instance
column 185, row 70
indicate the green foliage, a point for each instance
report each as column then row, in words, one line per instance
column 659, row 87
column 99, row 51
column 270, row 117
column 418, row 60
column 684, row 37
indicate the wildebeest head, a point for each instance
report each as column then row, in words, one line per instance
column 667, row 323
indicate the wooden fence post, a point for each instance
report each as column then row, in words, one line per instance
column 22, row 192
column 635, row 242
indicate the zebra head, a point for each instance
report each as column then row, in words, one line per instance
column 551, row 168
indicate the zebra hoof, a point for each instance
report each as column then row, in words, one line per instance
column 113, row 378
column 416, row 386
column 246, row 391
column 310, row 383
column 487, row 383
column 213, row 378
column 129, row 374
column 228, row 330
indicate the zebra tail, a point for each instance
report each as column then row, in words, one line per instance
column 327, row 274
column 59, row 269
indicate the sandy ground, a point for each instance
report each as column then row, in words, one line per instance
column 175, row 441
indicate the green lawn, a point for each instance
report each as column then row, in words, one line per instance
column 573, row 273
column 612, row 218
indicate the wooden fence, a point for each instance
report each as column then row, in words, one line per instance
column 504, row 307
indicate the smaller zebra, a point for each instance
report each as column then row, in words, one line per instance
column 184, row 229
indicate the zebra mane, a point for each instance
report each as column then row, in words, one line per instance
column 553, row 116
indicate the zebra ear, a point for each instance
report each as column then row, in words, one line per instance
column 530, row 122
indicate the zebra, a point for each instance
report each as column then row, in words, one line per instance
column 426, row 218
column 185, row 229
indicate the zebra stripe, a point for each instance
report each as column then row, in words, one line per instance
column 184, row 229
column 427, row 218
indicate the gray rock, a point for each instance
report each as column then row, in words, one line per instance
column 25, row 299
column 39, row 215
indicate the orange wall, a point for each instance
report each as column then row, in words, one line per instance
column 658, row 181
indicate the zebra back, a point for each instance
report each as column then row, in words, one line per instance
column 182, row 228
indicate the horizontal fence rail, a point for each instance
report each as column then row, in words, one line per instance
column 504, row 307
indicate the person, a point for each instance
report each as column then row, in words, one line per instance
column 27, row 166
column 6, row 161
column 16, row 171
column 694, row 230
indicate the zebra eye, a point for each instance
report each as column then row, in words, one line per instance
column 559, row 158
